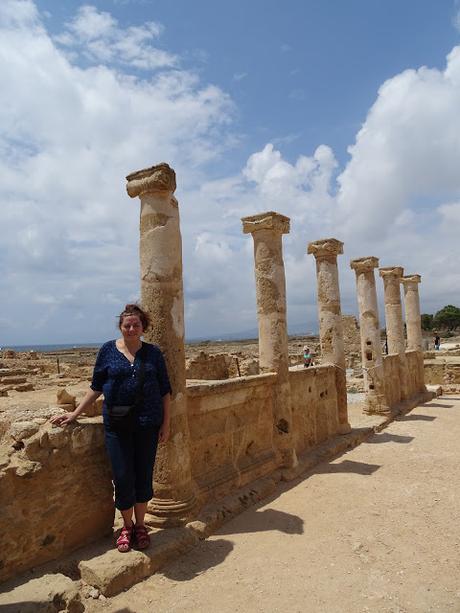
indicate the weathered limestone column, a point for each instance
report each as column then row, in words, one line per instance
column 412, row 308
column 162, row 297
column 267, row 230
column 371, row 348
column 330, row 318
column 393, row 320
column 414, row 322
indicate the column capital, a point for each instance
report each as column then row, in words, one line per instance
column 364, row 264
column 160, row 178
column 391, row 272
column 409, row 279
column 266, row 221
column 325, row 247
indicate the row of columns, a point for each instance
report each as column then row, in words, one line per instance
column 162, row 295
column 371, row 349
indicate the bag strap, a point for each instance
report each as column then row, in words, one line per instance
column 140, row 378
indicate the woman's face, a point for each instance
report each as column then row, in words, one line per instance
column 131, row 327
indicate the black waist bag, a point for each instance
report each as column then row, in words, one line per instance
column 121, row 416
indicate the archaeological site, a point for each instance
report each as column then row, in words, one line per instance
column 245, row 415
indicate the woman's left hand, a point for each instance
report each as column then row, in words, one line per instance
column 164, row 433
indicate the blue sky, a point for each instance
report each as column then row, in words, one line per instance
column 341, row 114
column 300, row 73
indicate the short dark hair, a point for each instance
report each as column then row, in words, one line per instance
column 134, row 309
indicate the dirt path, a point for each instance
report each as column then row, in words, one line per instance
column 377, row 530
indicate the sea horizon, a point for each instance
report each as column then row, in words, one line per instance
column 242, row 335
column 50, row 347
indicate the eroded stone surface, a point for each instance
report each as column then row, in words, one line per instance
column 371, row 349
column 47, row 594
column 267, row 230
column 330, row 318
column 163, row 298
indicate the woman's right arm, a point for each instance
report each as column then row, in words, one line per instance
column 67, row 418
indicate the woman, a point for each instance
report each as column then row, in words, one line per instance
column 136, row 412
column 307, row 357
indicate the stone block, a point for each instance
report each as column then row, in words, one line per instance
column 63, row 397
column 57, row 438
column 210, row 452
column 202, row 426
column 34, row 450
column 47, row 594
column 111, row 572
column 23, row 387
column 435, row 389
column 95, row 409
column 13, row 380
column 81, row 439
column 23, row 429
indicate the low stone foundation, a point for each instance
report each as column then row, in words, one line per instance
column 55, row 492
column 442, row 372
column 55, row 483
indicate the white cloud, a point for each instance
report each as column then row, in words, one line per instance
column 69, row 136
column 456, row 18
column 407, row 149
column 18, row 13
column 97, row 36
column 389, row 200
column 72, row 131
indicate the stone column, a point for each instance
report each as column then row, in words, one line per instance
column 393, row 320
column 162, row 297
column 412, row 308
column 267, row 230
column 371, row 347
column 330, row 318
column 414, row 323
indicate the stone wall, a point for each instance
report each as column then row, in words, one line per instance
column 440, row 372
column 231, row 430
column 416, row 383
column 391, row 371
column 314, row 406
column 231, row 425
column 55, row 484
column 415, row 378
column 351, row 336
column 208, row 367
column 55, row 492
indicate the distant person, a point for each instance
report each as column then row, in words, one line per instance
column 307, row 357
column 136, row 413
column 437, row 342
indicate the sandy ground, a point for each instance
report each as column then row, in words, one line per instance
column 376, row 530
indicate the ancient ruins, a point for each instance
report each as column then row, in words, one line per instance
column 236, row 418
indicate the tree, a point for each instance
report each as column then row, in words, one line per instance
column 427, row 321
column 448, row 317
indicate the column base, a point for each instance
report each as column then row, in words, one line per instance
column 377, row 409
column 170, row 513
column 289, row 458
column 344, row 428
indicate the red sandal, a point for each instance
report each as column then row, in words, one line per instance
column 124, row 541
column 141, row 537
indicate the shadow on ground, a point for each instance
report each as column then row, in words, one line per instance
column 385, row 437
column 262, row 521
column 347, row 466
column 206, row 555
column 416, row 418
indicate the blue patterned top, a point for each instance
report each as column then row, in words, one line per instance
column 116, row 378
